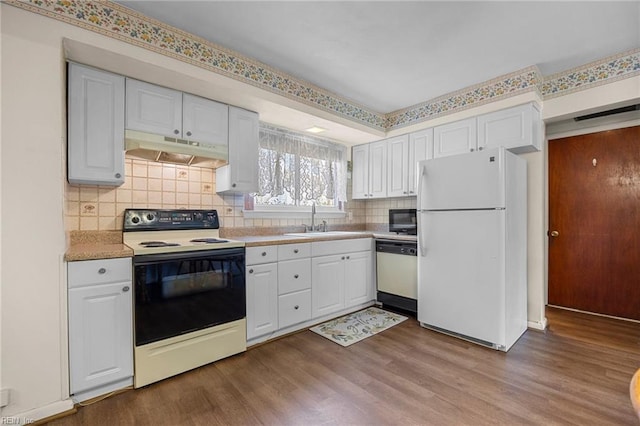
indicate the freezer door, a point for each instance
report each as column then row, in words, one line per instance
column 461, row 281
column 468, row 181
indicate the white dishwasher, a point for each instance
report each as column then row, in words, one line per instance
column 397, row 274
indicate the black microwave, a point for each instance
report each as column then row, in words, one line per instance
column 403, row 221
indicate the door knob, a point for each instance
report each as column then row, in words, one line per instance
column 554, row 233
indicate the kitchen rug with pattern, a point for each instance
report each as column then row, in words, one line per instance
column 357, row 326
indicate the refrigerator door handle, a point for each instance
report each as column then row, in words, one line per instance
column 423, row 251
column 423, row 174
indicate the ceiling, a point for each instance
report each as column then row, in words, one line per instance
column 389, row 55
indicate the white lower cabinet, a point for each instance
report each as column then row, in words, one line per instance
column 262, row 299
column 262, row 290
column 307, row 281
column 100, row 326
column 342, row 280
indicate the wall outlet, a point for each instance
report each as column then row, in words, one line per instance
column 4, row 397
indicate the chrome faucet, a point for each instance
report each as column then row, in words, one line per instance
column 313, row 216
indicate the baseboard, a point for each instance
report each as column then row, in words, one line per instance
column 41, row 415
column 538, row 325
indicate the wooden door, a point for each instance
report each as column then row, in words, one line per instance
column 594, row 207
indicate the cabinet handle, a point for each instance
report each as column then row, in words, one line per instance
column 295, row 251
column 264, row 253
column 188, row 133
column 296, row 307
column 125, row 288
column 176, row 132
column 102, row 271
column 296, row 276
column 118, row 175
column 251, row 271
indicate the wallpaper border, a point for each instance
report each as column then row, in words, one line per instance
column 118, row 22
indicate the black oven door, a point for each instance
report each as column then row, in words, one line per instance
column 177, row 293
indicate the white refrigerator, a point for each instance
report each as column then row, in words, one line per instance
column 472, row 241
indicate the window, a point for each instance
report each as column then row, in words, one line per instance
column 296, row 170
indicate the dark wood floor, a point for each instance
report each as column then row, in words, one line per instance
column 577, row 372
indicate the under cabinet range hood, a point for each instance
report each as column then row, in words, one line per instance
column 152, row 147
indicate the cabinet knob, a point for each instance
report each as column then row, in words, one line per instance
column 404, row 192
column 342, row 257
column 348, row 257
column 188, row 133
column 176, row 132
column 471, row 150
column 125, row 289
column 102, row 271
column 264, row 253
column 251, row 271
column 118, row 175
column 480, row 148
column 296, row 276
column 295, row 251
column 233, row 185
column 296, row 307
column 370, row 195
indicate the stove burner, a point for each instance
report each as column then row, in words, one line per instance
column 158, row 244
column 208, row 240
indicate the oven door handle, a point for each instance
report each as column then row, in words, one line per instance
column 187, row 255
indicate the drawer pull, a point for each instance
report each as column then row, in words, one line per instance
column 125, row 288
column 251, row 271
column 264, row 253
column 296, row 276
column 295, row 250
column 296, row 307
column 102, row 271
column 348, row 257
column 342, row 258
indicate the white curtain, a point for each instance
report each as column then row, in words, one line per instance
column 296, row 169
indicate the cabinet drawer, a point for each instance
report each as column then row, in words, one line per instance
column 294, row 275
column 326, row 248
column 89, row 272
column 294, row 308
column 294, row 251
column 264, row 254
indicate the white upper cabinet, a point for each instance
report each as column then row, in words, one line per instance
column 241, row 174
column 154, row 109
column 168, row 112
column 95, row 126
column 455, row 138
column 404, row 152
column 204, row 120
column 517, row 129
column 369, row 174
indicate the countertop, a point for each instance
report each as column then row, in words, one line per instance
column 91, row 247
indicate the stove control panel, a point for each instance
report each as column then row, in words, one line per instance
column 146, row 219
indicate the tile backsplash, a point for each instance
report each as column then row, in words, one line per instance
column 168, row 186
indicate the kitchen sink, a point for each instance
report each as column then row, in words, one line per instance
column 324, row 234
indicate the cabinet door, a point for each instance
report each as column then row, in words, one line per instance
column 154, row 109
column 378, row 169
column 262, row 299
column 241, row 174
column 360, row 171
column 455, row 138
column 204, row 120
column 96, row 127
column 358, row 282
column 100, row 335
column 327, row 285
column 398, row 166
column 512, row 128
column 420, row 148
